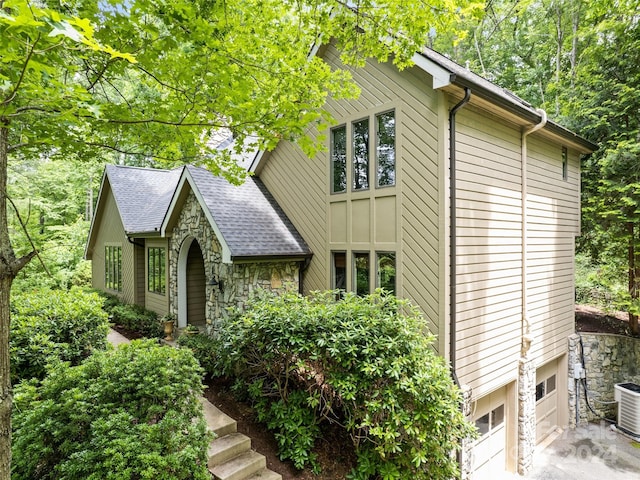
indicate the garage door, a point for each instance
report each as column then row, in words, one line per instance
column 546, row 400
column 489, row 450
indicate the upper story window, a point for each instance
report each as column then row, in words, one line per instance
column 361, row 154
column 357, row 161
column 113, row 268
column 565, row 164
column 156, row 276
column 386, row 149
column 339, row 159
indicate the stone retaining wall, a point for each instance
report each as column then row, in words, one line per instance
column 609, row 359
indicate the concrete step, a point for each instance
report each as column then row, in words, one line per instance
column 241, row 467
column 219, row 422
column 265, row 475
column 225, row 448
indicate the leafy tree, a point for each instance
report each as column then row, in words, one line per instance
column 154, row 79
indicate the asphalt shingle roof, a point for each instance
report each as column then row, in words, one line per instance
column 143, row 195
column 251, row 222
column 249, row 218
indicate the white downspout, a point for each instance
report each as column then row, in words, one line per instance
column 527, row 338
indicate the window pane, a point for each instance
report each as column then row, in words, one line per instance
column 361, row 154
column 361, row 274
column 565, row 164
column 539, row 391
column 387, row 271
column 482, row 424
column 156, row 270
column 339, row 159
column 551, row 384
column 497, row 416
column 339, row 270
column 386, row 148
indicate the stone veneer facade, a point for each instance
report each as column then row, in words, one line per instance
column 609, row 359
column 526, row 414
column 239, row 279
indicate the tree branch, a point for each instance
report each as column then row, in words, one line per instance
column 14, row 92
column 19, row 263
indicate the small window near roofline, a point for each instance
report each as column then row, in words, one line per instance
column 565, row 164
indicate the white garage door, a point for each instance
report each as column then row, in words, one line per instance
column 546, row 400
column 489, row 450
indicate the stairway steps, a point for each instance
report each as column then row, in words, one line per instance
column 225, row 448
column 219, row 422
column 265, row 475
column 241, row 467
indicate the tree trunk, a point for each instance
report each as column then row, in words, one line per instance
column 9, row 268
column 634, row 271
column 6, row 279
column 6, row 397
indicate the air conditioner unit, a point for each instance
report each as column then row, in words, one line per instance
column 628, row 397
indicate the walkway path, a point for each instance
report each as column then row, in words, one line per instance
column 230, row 454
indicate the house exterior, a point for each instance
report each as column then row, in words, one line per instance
column 466, row 200
column 435, row 184
column 187, row 243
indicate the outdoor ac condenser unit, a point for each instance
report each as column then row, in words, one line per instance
column 628, row 397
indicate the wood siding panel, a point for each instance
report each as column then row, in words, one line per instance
column 489, row 249
column 110, row 231
column 154, row 301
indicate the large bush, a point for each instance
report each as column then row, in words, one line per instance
column 366, row 362
column 52, row 325
column 123, row 414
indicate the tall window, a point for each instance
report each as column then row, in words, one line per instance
column 380, row 128
column 386, row 149
column 156, row 282
column 339, row 159
column 386, row 265
column 339, row 280
column 113, row 268
column 361, row 154
column 361, row 273
column 565, row 164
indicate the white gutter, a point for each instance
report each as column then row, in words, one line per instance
column 527, row 338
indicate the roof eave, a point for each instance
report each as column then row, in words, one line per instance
column 293, row 257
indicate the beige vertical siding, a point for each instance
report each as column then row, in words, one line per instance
column 111, row 232
column 154, row 301
column 489, row 226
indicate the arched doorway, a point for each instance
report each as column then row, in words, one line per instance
column 192, row 285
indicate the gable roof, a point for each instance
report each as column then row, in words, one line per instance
column 439, row 67
column 246, row 218
column 447, row 73
column 142, row 196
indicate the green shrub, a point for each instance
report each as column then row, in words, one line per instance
column 203, row 348
column 123, row 414
column 137, row 319
column 365, row 362
column 53, row 325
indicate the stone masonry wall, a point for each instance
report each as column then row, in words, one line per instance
column 239, row 279
column 526, row 414
column 609, row 359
